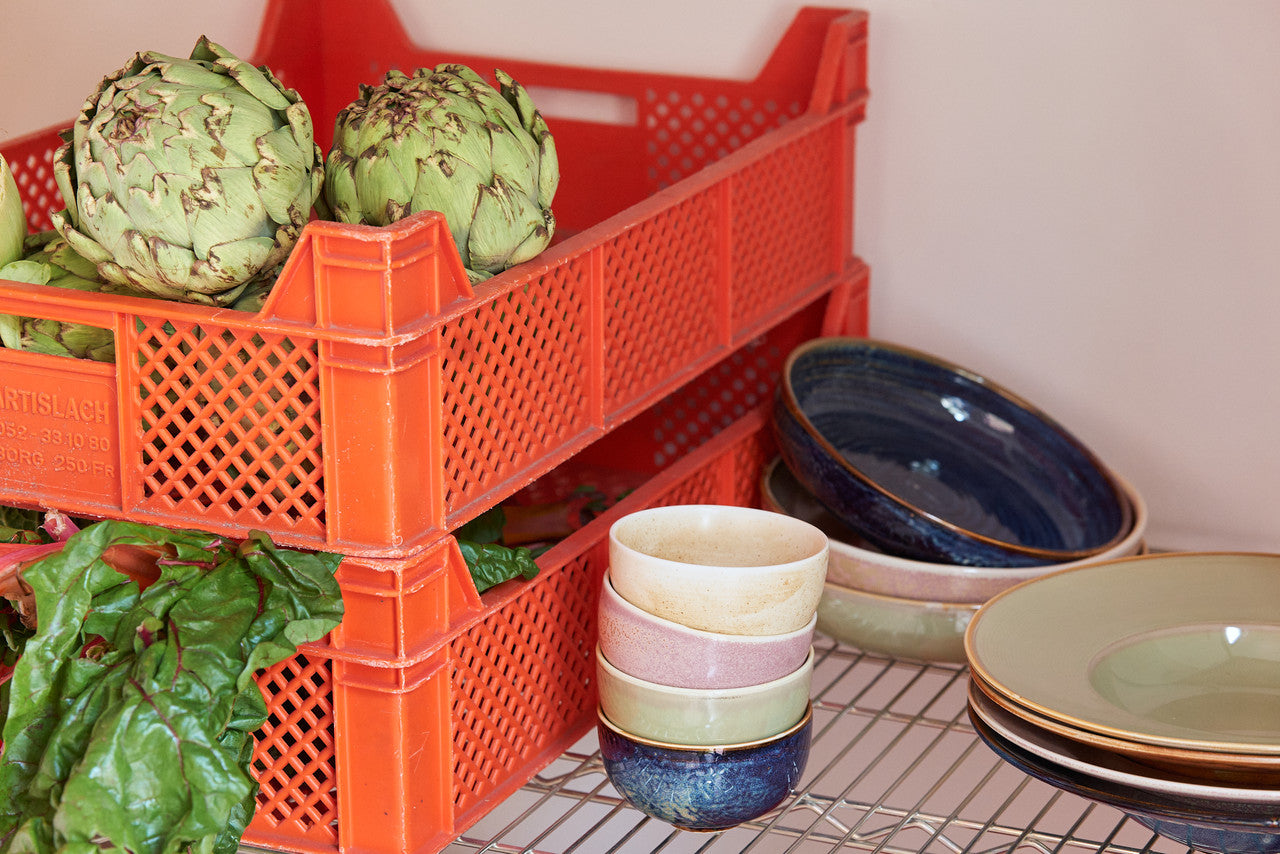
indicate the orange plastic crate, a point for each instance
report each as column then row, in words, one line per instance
column 379, row 400
column 360, row 756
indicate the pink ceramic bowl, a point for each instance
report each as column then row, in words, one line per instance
column 658, row 650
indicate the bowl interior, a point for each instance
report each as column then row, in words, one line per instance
column 954, row 447
column 858, row 564
column 694, row 537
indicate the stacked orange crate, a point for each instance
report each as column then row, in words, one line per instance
column 379, row 400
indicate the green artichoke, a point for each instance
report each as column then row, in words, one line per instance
column 13, row 222
column 188, row 179
column 445, row 140
column 50, row 260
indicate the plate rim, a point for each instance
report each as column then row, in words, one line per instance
column 1140, row 776
column 1045, row 706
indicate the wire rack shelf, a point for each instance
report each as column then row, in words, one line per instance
column 895, row 768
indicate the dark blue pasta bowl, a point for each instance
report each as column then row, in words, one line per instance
column 927, row 460
column 1214, row 825
column 705, row 788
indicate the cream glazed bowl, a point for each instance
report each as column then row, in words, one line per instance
column 657, row 650
column 720, row 568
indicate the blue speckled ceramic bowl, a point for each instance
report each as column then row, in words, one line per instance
column 1206, row 824
column 705, row 788
column 927, row 460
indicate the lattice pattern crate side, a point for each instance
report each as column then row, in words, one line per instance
column 229, row 426
column 522, row 679
column 661, row 298
column 737, row 384
column 32, row 166
column 784, row 214
column 293, row 757
column 743, row 469
column 687, row 128
column 515, row 384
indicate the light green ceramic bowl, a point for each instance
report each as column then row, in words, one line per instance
column 902, row 628
column 702, row 717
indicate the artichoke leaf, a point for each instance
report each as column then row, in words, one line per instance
column 502, row 213
column 51, row 260
column 177, row 171
column 444, row 139
column 31, row 272
column 13, row 221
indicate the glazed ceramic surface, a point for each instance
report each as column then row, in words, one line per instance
column 929, row 461
column 1207, row 766
column 855, row 563
column 1104, row 764
column 703, row 716
column 1205, row 824
column 708, row 788
column 902, row 628
column 657, row 650
column 738, row 570
column 1178, row 650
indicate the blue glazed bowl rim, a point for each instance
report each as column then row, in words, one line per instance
column 787, row 397
column 708, row 748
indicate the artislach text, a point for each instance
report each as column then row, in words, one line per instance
column 53, row 405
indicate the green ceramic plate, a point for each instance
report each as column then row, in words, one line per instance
column 1181, row 650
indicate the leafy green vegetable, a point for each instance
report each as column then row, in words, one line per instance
column 485, row 528
column 490, row 562
column 132, row 708
column 493, row 563
column 15, row 520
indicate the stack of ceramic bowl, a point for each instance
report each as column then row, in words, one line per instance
column 938, row 489
column 705, row 660
column 1151, row 684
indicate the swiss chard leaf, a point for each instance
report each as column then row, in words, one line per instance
column 485, row 528
column 131, row 709
column 16, row 519
column 491, row 563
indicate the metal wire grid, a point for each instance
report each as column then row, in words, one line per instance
column 895, row 767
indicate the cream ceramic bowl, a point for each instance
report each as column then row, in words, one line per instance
column 702, row 716
column 902, row 628
column 657, row 650
column 854, row 563
column 737, row 570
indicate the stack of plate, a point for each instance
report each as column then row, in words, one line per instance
column 1151, row 684
column 937, row 487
